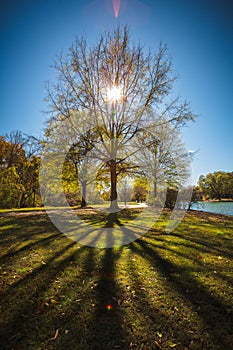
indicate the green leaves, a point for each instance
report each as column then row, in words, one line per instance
column 217, row 185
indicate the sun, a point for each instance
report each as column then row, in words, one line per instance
column 114, row 94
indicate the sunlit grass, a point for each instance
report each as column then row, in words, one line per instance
column 162, row 291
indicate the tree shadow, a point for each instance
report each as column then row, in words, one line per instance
column 108, row 314
column 217, row 316
column 75, row 299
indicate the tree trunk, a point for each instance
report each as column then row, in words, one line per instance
column 21, row 202
column 113, row 197
column 154, row 191
column 84, row 192
column 34, row 198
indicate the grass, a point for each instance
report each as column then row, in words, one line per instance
column 163, row 291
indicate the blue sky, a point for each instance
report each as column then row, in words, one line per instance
column 199, row 35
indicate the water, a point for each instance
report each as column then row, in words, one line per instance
column 214, row 207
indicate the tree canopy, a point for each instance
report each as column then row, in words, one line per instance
column 216, row 185
column 19, row 162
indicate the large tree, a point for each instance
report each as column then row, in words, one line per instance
column 122, row 87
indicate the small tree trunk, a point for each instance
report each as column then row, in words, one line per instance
column 34, row 198
column 154, row 191
column 84, row 192
column 21, row 202
column 113, row 197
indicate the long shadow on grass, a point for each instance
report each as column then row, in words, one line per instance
column 194, row 257
column 217, row 316
column 82, row 309
column 24, row 298
column 42, row 311
column 109, row 331
column 11, row 227
column 151, row 314
column 210, row 245
column 103, row 328
column 26, row 248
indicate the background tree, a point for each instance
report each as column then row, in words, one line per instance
column 216, row 185
column 77, row 140
column 163, row 159
column 140, row 189
column 118, row 83
column 19, row 170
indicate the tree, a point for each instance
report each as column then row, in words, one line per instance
column 216, row 185
column 78, row 141
column 119, row 85
column 28, row 174
column 11, row 188
column 19, row 180
column 79, row 155
column 12, row 149
column 140, row 189
column 163, row 158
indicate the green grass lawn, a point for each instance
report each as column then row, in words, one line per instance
column 163, row 291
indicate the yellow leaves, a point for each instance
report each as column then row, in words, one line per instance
column 53, row 301
column 171, row 344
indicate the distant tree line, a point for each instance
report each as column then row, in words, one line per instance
column 19, row 178
column 217, row 185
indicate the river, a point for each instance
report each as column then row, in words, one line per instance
column 214, row 207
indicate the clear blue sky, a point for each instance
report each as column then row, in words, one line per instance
column 199, row 34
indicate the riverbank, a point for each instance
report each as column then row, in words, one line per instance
column 217, row 200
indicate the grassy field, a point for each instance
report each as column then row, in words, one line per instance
column 163, row 291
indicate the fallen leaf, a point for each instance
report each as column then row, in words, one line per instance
column 53, row 301
column 157, row 345
column 171, row 344
column 55, row 335
column 159, row 334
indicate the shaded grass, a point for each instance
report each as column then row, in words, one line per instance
column 164, row 290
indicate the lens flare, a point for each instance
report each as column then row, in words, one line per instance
column 116, row 7
column 109, row 307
